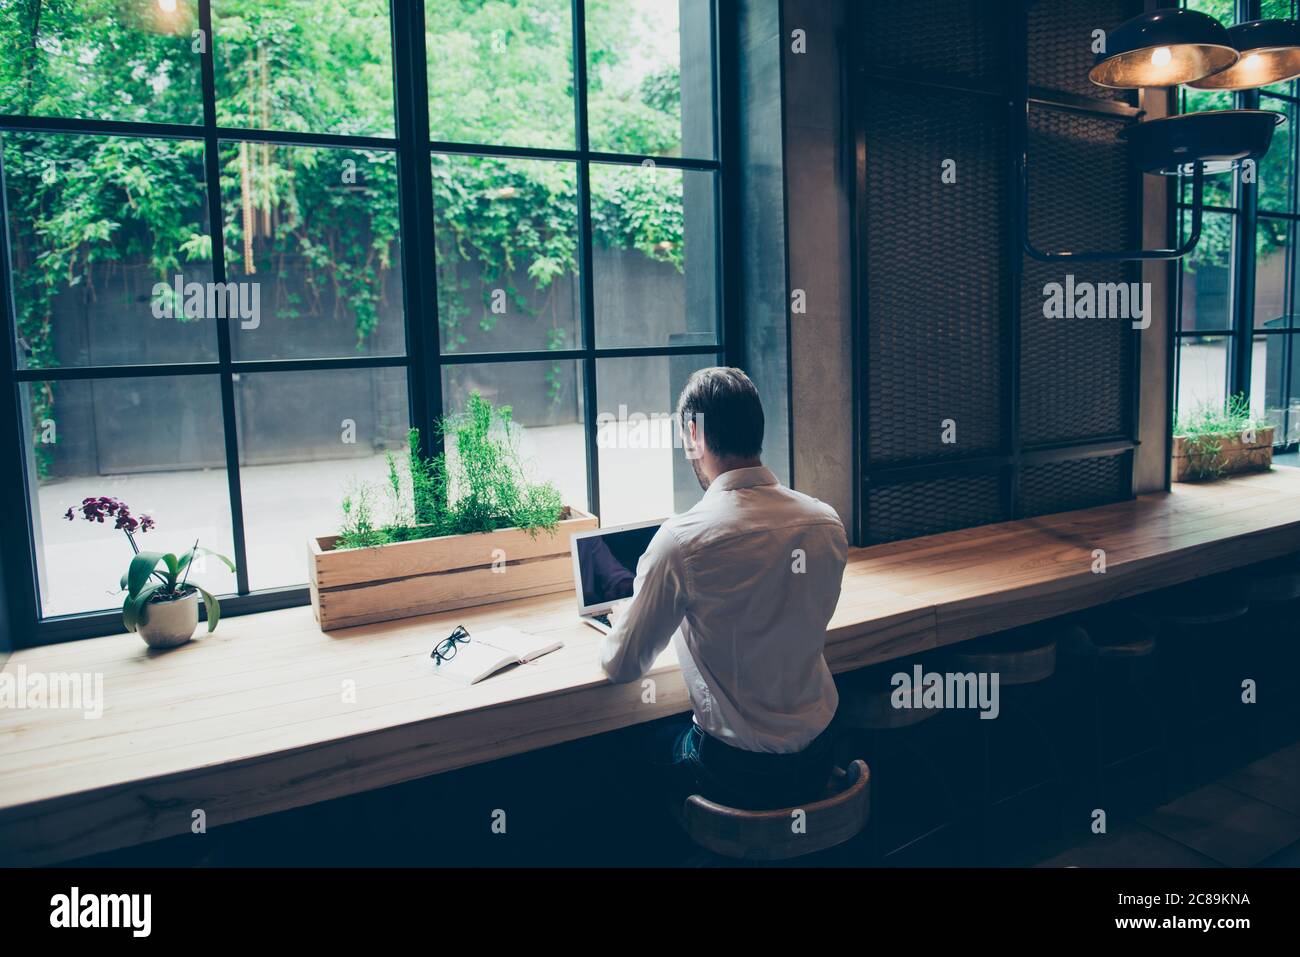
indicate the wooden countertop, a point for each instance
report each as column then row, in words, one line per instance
column 269, row 713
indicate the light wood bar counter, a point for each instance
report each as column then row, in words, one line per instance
column 256, row 718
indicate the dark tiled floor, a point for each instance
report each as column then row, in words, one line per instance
column 1248, row 818
column 1130, row 845
column 1274, row 780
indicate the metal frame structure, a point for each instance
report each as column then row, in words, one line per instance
column 1247, row 214
column 423, row 360
column 1012, row 90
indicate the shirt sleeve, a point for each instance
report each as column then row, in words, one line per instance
column 657, row 607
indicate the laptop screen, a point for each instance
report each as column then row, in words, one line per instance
column 606, row 565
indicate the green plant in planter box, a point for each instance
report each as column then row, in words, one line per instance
column 152, row 577
column 1204, row 427
column 477, row 484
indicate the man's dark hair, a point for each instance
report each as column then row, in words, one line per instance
column 726, row 405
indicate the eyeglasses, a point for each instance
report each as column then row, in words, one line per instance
column 445, row 650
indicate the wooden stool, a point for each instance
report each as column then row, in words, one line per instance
column 915, row 813
column 1024, row 659
column 1021, row 656
column 1110, row 674
column 783, row 834
column 1201, row 649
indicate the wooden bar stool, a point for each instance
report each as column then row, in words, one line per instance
column 915, row 811
column 1201, row 646
column 794, row 832
column 1109, row 670
column 1018, row 766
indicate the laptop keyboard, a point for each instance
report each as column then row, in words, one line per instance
column 603, row 619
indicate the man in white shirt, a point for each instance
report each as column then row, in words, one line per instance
column 744, row 585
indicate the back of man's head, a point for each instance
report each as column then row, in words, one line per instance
column 725, row 406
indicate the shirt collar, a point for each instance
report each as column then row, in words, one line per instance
column 741, row 478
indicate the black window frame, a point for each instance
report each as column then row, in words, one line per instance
column 423, row 359
column 1246, row 215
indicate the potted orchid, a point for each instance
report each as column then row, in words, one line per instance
column 162, row 604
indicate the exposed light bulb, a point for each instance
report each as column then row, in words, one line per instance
column 1161, row 56
column 167, row 6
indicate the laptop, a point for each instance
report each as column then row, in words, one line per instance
column 604, row 566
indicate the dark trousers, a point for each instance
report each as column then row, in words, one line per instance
column 692, row 762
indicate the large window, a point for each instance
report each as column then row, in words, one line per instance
column 250, row 243
column 1237, row 325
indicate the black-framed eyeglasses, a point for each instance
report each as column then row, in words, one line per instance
column 445, row 650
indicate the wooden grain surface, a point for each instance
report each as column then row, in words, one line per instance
column 255, row 719
column 362, row 586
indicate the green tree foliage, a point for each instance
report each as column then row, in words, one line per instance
column 500, row 73
column 1273, row 173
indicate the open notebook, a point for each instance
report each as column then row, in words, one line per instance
column 488, row 652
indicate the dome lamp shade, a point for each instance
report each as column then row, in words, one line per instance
column 1217, row 140
column 1163, row 48
column 1270, row 53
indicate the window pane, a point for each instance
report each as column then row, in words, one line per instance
column 1222, row 10
column 1276, row 168
column 546, row 409
column 644, row 473
column 304, row 439
column 312, row 236
column 1218, row 191
column 507, row 246
column 89, row 440
column 1292, row 431
column 305, row 66
column 1272, row 246
column 101, row 227
column 1207, row 275
column 650, row 77
column 501, row 73
column 1202, row 371
column 1278, row 10
column 125, row 60
column 1267, row 389
column 653, row 258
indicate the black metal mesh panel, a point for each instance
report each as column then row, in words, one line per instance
column 935, row 263
column 926, row 508
column 965, row 38
column 1060, row 42
column 1075, row 376
column 1079, row 483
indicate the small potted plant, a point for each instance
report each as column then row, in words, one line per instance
column 162, row 604
column 1212, row 440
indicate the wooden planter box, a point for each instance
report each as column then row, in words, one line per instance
column 1235, row 456
column 357, row 586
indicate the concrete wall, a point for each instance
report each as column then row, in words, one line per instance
column 1151, row 460
column 296, row 416
column 760, row 174
column 818, row 181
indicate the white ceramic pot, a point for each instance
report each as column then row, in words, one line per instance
column 166, row 624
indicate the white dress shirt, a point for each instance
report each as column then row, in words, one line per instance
column 744, row 585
